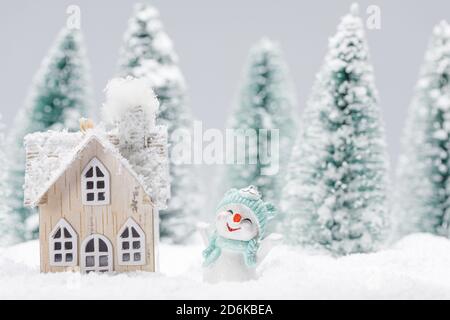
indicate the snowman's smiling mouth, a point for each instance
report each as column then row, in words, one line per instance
column 230, row 229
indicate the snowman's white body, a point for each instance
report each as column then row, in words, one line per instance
column 230, row 266
column 236, row 222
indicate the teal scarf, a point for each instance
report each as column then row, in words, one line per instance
column 217, row 243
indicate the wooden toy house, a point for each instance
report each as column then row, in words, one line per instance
column 98, row 211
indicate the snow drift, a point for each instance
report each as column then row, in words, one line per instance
column 416, row 267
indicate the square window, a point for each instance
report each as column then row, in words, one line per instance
column 90, row 185
column 90, row 197
column 90, row 261
column 125, row 245
column 69, row 257
column 100, row 184
column 136, row 244
column 103, row 261
column 101, row 196
column 58, row 257
column 137, row 256
column 126, row 257
column 68, row 245
column 57, row 246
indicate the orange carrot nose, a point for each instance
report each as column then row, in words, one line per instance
column 237, row 217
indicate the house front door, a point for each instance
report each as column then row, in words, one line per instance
column 96, row 254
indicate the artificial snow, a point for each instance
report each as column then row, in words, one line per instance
column 416, row 267
column 125, row 94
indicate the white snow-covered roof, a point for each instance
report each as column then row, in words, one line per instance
column 50, row 153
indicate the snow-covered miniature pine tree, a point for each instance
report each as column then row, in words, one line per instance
column 266, row 101
column 7, row 219
column 423, row 174
column 336, row 191
column 148, row 53
column 59, row 96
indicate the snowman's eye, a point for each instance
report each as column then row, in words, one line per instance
column 248, row 220
column 230, row 211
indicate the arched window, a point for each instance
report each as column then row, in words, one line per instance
column 63, row 245
column 96, row 254
column 95, row 184
column 131, row 244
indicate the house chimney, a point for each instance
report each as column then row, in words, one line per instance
column 130, row 108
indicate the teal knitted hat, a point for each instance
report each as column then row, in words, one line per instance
column 251, row 198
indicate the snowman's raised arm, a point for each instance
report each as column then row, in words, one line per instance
column 202, row 227
column 267, row 244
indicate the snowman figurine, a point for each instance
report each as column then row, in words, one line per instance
column 238, row 244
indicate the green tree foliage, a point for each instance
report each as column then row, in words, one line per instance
column 423, row 175
column 59, row 96
column 336, row 191
column 266, row 101
column 148, row 53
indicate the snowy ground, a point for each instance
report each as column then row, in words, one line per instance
column 417, row 267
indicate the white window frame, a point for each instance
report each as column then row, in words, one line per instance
column 62, row 240
column 94, row 164
column 130, row 223
column 96, row 254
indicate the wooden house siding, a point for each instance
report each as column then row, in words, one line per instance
column 127, row 199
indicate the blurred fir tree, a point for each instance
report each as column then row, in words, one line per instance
column 423, row 190
column 8, row 223
column 59, row 96
column 148, row 53
column 266, row 101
